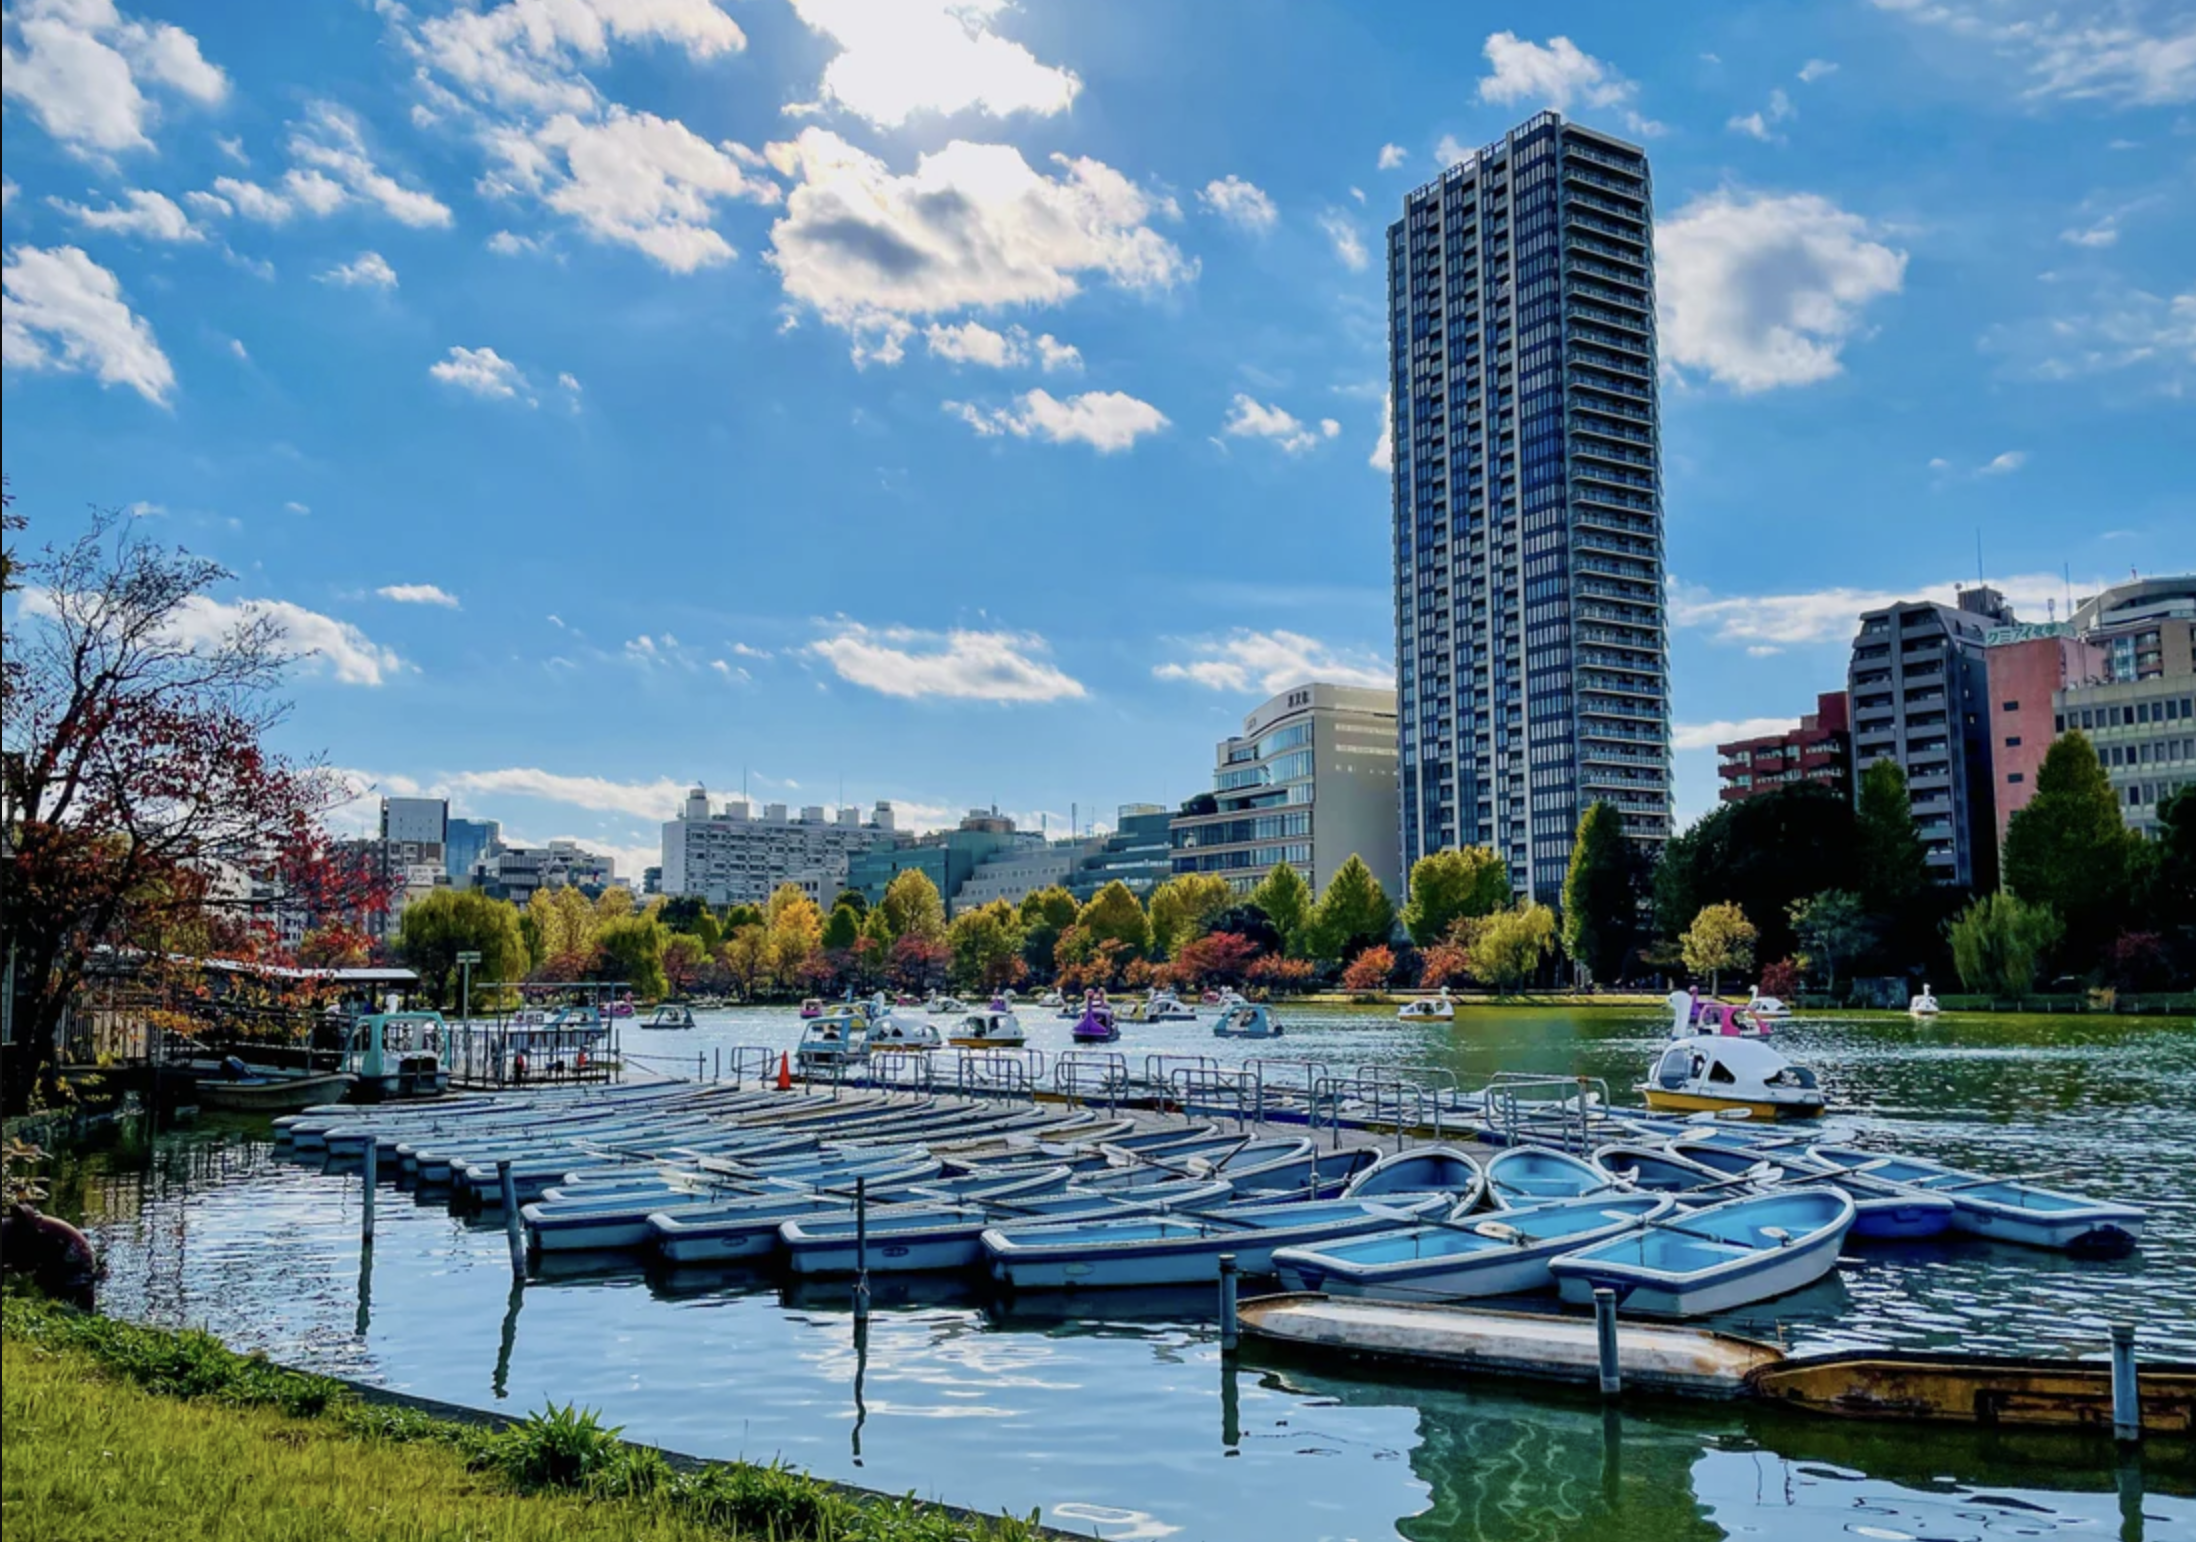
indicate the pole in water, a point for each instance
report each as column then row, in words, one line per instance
column 2127, row 1401
column 1230, row 1330
column 514, row 1230
column 1605, row 1335
column 366, row 1195
column 861, row 1250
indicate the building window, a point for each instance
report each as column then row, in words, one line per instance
column 2013, row 741
column 2009, row 706
column 2015, row 778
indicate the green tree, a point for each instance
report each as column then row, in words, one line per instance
column 2172, row 877
column 854, row 900
column 737, row 916
column 1601, row 895
column 631, row 949
column 1759, row 854
column 1180, row 907
column 2069, row 849
column 841, row 929
column 1448, row 886
column 1894, row 864
column 1999, row 942
column 987, row 947
column 1720, row 938
column 912, row 907
column 1114, row 915
column 877, row 931
column 1053, row 907
column 707, row 932
column 1507, row 948
column 1353, row 914
column 1287, row 901
column 1832, row 925
column 439, row 926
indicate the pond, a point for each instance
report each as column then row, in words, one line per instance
column 1115, row 1415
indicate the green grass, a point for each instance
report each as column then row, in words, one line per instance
column 118, row 1431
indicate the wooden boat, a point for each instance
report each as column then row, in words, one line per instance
column 1176, row 1249
column 273, row 1093
column 1714, row 1072
column 1715, row 1258
column 1524, row 1175
column 2004, row 1209
column 1510, row 1344
column 1503, row 1254
column 1977, row 1389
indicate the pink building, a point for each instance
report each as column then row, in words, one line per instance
column 2028, row 664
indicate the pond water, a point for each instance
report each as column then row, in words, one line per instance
column 1114, row 1414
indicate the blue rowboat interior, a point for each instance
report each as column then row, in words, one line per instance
column 1522, row 1174
column 1502, row 1231
column 1703, row 1239
column 1429, row 1169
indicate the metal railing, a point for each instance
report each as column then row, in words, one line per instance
column 1087, row 1076
column 997, row 1073
column 1523, row 1108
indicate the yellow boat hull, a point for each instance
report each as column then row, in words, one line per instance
column 1694, row 1103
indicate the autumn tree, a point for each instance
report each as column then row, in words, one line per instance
column 912, row 907
column 1370, row 971
column 683, row 961
column 133, row 709
column 1217, row 958
column 1180, row 907
column 1601, row 895
column 1287, row 901
column 986, row 946
column 1445, row 963
column 1114, row 915
column 1508, row 948
column 1447, row 886
column 1354, row 913
column 564, row 930
column 1720, row 938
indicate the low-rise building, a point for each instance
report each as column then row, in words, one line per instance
column 1014, row 874
column 1310, row 781
column 740, row 855
column 1139, row 853
column 950, row 858
column 2144, row 732
column 515, row 873
column 1819, row 750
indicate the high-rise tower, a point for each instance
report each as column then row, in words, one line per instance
column 1531, row 657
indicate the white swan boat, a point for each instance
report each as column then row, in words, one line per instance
column 1924, row 1005
column 1715, row 1073
column 995, row 1028
column 1439, row 1009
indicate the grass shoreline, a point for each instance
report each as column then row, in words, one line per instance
column 116, row 1430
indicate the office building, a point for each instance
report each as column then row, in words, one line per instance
column 1920, row 690
column 1819, row 750
column 464, row 843
column 1139, row 853
column 1531, row 653
column 2146, row 627
column 2030, row 667
column 949, row 857
column 1310, row 781
column 516, row 873
column 739, row 855
column 1018, row 872
column 415, row 821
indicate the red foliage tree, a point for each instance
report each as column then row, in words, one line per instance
column 1780, row 979
column 1217, row 958
column 1282, row 976
column 1445, row 963
column 919, row 963
column 1370, row 970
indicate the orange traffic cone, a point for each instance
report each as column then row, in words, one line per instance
column 785, row 1071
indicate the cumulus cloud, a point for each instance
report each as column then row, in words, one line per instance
column 1105, row 420
column 418, row 594
column 971, row 342
column 1382, row 458
column 1557, row 74
column 481, row 371
column 506, row 243
column 1242, row 204
column 2136, row 54
column 958, row 665
column 1273, row 662
column 1770, row 623
column 1761, row 124
column 1765, row 290
column 83, row 69
column 153, row 216
column 1251, row 419
column 973, row 227
column 368, row 269
column 1392, row 156
column 1815, row 69
column 331, row 168
column 641, row 800
column 63, row 312
column 320, row 642
column 527, row 53
column 633, row 179
column 899, row 58
column 1706, row 736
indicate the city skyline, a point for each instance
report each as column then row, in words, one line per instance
column 613, row 413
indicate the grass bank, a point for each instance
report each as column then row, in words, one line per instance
column 117, row 1431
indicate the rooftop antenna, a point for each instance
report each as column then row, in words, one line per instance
column 2066, row 573
column 1978, row 556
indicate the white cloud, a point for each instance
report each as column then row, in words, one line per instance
column 64, row 312
column 1769, row 623
column 320, row 641
column 1764, row 290
column 154, row 216
column 2104, row 232
column 1242, row 204
column 1556, row 74
column 1815, row 69
column 525, row 54
column 294, row 507
column 960, row 665
column 505, row 243
column 974, row 227
column 1382, row 458
column 655, row 800
column 83, row 69
column 335, row 165
column 1272, row 662
column 2120, row 328
column 367, row 268
column 418, row 594
column 2003, row 465
column 233, row 148
column 482, row 371
column 1105, row 420
column 2140, row 53
column 633, row 179
column 1250, row 419
column 971, row 342
column 1392, row 156
column 144, row 510
column 1706, row 736
column 898, row 58
column 1757, row 125
column 1055, row 355
column 1349, row 247
column 8, row 190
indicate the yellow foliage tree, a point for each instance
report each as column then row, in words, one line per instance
column 1720, row 938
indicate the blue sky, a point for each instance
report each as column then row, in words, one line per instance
column 982, row 403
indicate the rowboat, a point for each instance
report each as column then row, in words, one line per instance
column 1178, row 1249
column 270, row 1094
column 1882, row 1212
column 1661, row 1171
column 627, row 1220
column 1440, row 1170
column 1527, row 1174
column 1715, row 1258
column 1503, row 1254
column 2004, row 1209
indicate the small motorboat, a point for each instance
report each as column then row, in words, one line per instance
column 233, row 1088
column 1440, row 1170
column 1716, row 1258
column 2004, row 1209
column 1713, row 1073
column 1526, row 1175
column 670, row 1016
column 1096, row 1024
column 1924, row 1005
column 1428, row 1008
column 1163, row 1006
column 812, row 1007
column 828, row 1043
column 1765, row 1006
column 1178, row 1249
column 994, row 1028
column 1503, row 1254
column 1250, row 1020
